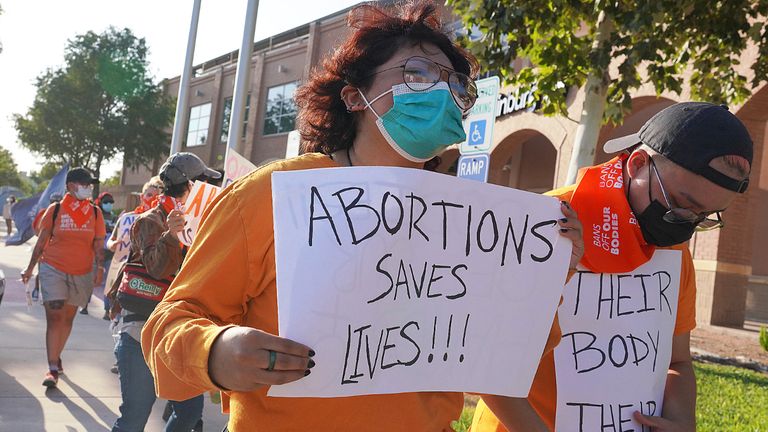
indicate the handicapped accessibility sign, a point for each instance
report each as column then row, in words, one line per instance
column 477, row 133
column 479, row 123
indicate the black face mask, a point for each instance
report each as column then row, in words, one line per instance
column 655, row 229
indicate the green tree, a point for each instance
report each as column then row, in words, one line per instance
column 9, row 175
column 100, row 103
column 575, row 43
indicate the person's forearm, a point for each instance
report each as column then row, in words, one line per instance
column 37, row 252
column 680, row 395
column 516, row 414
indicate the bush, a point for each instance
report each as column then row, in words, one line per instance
column 764, row 338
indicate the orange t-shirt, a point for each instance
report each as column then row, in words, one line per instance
column 71, row 248
column 228, row 277
column 543, row 394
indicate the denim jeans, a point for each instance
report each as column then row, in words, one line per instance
column 137, row 388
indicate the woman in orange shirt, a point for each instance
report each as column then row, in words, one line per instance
column 71, row 237
column 216, row 327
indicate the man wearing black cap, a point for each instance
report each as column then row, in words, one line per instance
column 624, row 361
column 70, row 240
column 156, row 248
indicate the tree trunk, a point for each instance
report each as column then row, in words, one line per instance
column 584, row 144
column 97, row 174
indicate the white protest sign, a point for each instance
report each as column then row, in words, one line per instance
column 235, row 166
column 617, row 345
column 293, row 145
column 404, row 280
column 123, row 248
column 199, row 197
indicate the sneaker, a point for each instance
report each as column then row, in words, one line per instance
column 106, row 317
column 60, row 367
column 113, row 369
column 51, row 378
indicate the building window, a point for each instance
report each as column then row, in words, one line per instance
column 199, row 119
column 228, row 114
column 280, row 112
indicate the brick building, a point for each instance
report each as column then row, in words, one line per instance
column 529, row 152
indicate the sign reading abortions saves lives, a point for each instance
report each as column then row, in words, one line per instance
column 617, row 345
column 404, row 280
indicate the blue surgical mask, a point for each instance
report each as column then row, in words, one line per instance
column 420, row 124
column 106, row 207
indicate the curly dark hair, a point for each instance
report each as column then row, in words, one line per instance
column 323, row 121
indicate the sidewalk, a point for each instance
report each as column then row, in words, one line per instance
column 88, row 395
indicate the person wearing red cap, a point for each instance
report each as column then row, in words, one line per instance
column 675, row 176
column 71, row 239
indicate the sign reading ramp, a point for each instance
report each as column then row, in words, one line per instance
column 473, row 167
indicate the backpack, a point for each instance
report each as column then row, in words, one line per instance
column 139, row 292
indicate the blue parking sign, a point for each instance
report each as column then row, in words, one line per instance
column 476, row 132
column 473, row 167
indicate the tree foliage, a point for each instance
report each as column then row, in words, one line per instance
column 653, row 41
column 9, row 175
column 100, row 103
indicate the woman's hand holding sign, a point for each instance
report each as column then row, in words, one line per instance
column 571, row 228
column 245, row 359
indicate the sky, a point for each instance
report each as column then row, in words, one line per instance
column 34, row 34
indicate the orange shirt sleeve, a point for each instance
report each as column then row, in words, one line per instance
column 101, row 227
column 686, row 301
column 209, row 294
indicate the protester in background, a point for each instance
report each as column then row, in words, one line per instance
column 676, row 175
column 149, row 193
column 220, row 316
column 71, row 239
column 9, row 202
column 156, row 249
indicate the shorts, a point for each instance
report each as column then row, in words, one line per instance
column 57, row 285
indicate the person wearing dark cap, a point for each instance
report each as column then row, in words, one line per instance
column 674, row 177
column 70, row 241
column 156, row 249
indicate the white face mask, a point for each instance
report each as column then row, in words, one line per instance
column 84, row 192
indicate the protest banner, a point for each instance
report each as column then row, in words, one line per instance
column 199, row 197
column 405, row 280
column 235, row 166
column 123, row 248
column 617, row 345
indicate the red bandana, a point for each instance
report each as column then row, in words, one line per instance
column 612, row 238
column 80, row 211
column 146, row 205
column 168, row 203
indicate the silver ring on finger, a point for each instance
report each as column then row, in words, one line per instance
column 272, row 360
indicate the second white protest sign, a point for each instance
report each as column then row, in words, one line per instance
column 404, row 280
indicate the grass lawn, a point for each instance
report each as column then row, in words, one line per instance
column 729, row 399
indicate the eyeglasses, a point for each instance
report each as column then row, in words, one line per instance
column 678, row 215
column 421, row 70
column 108, row 202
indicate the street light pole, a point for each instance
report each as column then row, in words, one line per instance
column 186, row 75
column 242, row 76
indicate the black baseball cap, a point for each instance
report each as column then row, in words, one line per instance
column 81, row 175
column 692, row 134
column 183, row 167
